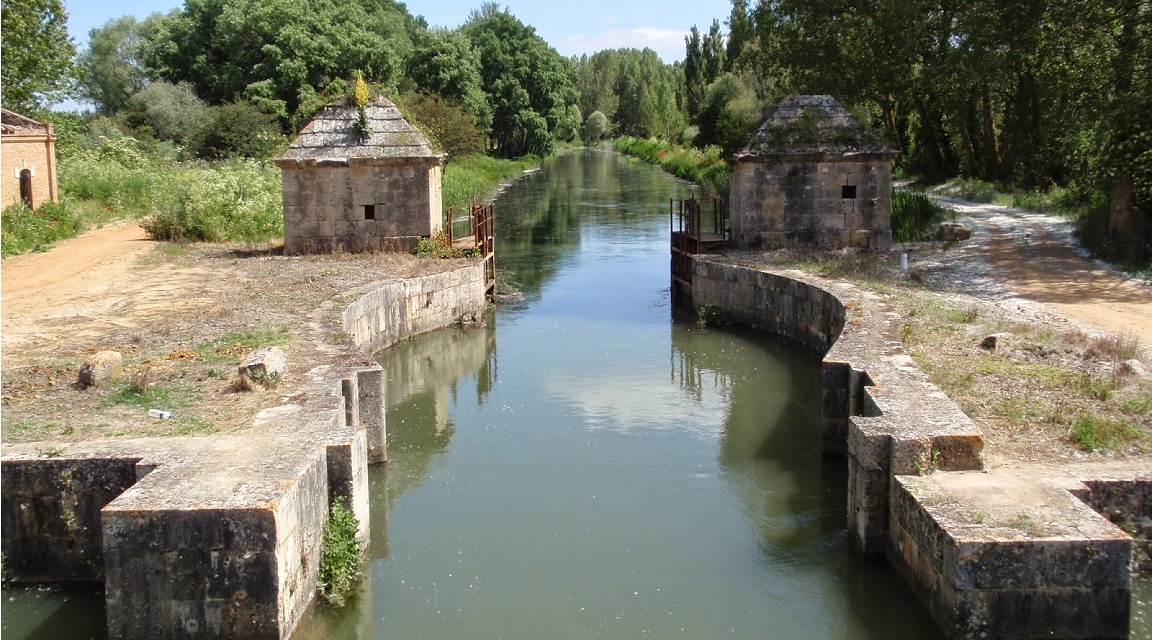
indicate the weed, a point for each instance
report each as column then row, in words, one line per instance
column 1114, row 348
column 1027, row 524
column 914, row 216
column 1092, row 386
column 340, row 556
column 1095, row 433
column 1140, row 405
column 711, row 315
column 151, row 396
column 438, row 246
column 979, row 517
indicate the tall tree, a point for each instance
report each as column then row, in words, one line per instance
column 110, row 68
column 444, row 62
column 695, row 79
column 277, row 53
column 529, row 85
column 37, row 69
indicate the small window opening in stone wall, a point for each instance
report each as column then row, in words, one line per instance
column 369, row 212
column 848, row 192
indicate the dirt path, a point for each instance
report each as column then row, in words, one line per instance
column 1032, row 257
column 86, row 286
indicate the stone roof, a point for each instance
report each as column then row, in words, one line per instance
column 332, row 136
column 12, row 122
column 811, row 124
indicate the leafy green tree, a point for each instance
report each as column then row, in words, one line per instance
column 730, row 113
column 741, row 31
column 278, row 53
column 443, row 62
column 596, row 127
column 694, row 74
column 166, row 111
column 37, row 69
column 450, row 127
column 110, row 68
column 529, row 85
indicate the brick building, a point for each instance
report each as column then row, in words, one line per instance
column 28, row 159
column 812, row 176
column 353, row 189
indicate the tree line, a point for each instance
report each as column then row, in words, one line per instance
column 220, row 75
column 1028, row 95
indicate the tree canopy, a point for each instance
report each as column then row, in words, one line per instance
column 37, row 69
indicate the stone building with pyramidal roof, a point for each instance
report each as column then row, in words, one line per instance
column 355, row 183
column 812, row 176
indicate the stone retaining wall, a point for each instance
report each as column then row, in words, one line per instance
column 903, row 438
column 220, row 536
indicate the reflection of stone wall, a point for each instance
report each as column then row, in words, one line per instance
column 364, row 205
column 812, row 200
column 435, row 361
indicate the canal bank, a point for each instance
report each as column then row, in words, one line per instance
column 679, row 470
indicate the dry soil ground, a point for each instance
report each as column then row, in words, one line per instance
column 182, row 316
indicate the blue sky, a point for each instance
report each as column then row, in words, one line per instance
column 572, row 28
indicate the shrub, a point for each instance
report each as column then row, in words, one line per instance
column 914, row 215
column 446, row 123
column 169, row 111
column 236, row 200
column 238, row 129
column 705, row 167
column 596, row 127
column 340, row 556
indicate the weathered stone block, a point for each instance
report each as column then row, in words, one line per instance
column 101, row 368
column 266, row 366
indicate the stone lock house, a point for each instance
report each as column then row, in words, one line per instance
column 28, row 158
column 812, row 176
column 348, row 187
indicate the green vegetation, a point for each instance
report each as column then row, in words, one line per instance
column 704, row 167
column 26, row 230
column 914, row 216
column 1053, row 386
column 474, row 178
column 228, row 346
column 1095, row 433
column 37, row 53
column 340, row 556
column 437, row 246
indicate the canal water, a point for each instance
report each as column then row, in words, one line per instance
column 590, row 464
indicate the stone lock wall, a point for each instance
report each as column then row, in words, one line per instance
column 220, row 537
column 909, row 447
column 812, row 200
column 325, row 204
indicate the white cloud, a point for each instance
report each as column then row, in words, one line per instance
column 668, row 43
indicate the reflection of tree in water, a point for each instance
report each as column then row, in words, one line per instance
column 542, row 225
column 770, row 454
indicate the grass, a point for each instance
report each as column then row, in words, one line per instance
column 229, row 345
column 1095, row 433
column 158, row 395
column 1052, row 387
column 25, row 230
column 340, row 556
column 915, row 216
